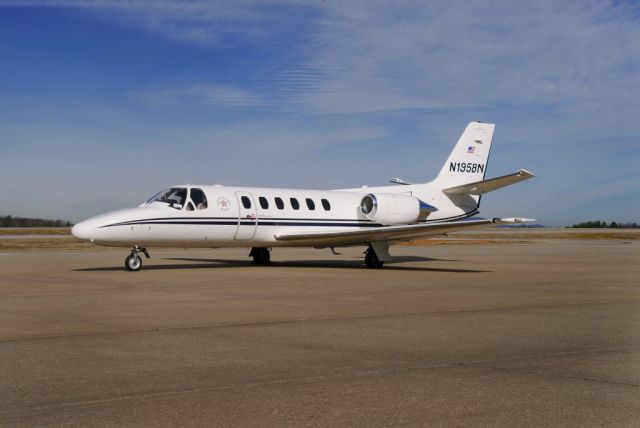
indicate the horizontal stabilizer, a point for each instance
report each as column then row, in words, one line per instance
column 484, row 186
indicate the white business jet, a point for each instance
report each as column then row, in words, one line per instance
column 264, row 218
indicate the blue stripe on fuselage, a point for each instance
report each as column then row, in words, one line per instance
column 233, row 221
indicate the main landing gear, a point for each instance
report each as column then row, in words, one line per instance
column 371, row 259
column 133, row 262
column 261, row 256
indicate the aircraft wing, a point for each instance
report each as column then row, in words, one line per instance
column 482, row 187
column 390, row 233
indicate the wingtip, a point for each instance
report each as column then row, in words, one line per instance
column 514, row 220
column 524, row 172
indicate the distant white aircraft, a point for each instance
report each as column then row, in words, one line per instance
column 263, row 218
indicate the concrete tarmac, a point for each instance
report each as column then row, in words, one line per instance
column 453, row 335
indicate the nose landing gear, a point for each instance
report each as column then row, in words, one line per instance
column 261, row 256
column 133, row 262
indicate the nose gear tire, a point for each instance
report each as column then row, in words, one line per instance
column 133, row 263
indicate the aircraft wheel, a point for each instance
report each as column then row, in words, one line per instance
column 372, row 261
column 133, row 263
column 261, row 256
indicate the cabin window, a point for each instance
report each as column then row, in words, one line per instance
column 325, row 204
column 190, row 206
column 199, row 199
column 175, row 197
column 310, row 204
column 279, row 203
column 294, row 203
column 246, row 202
column 263, row 202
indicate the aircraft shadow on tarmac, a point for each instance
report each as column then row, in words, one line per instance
column 335, row 264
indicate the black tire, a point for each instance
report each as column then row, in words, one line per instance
column 133, row 263
column 372, row 261
column 261, row 256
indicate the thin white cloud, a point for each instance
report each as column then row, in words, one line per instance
column 248, row 153
column 572, row 194
column 201, row 94
column 562, row 73
column 571, row 55
column 268, row 136
column 212, row 23
column 576, row 58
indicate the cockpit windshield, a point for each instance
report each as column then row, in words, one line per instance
column 174, row 196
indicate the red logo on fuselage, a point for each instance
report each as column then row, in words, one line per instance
column 224, row 203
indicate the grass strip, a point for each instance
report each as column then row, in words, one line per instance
column 35, row 231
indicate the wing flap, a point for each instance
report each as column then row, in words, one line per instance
column 484, row 186
column 389, row 233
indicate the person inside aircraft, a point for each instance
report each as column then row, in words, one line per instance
column 174, row 196
column 199, row 198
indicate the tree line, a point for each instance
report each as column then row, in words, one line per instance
column 597, row 224
column 11, row 221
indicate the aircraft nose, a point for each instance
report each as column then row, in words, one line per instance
column 82, row 231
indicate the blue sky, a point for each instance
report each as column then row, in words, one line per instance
column 103, row 103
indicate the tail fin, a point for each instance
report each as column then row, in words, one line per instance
column 467, row 163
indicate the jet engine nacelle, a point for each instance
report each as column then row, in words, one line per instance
column 394, row 208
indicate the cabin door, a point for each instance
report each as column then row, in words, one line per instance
column 247, row 216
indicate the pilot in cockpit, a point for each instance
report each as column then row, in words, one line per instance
column 176, row 197
column 199, row 199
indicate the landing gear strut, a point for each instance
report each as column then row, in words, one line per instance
column 261, row 256
column 371, row 259
column 133, row 262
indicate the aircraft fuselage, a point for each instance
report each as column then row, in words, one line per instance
column 240, row 217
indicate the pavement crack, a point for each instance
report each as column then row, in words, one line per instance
column 317, row 319
column 566, row 376
column 361, row 374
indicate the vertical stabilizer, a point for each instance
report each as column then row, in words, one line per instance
column 467, row 163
